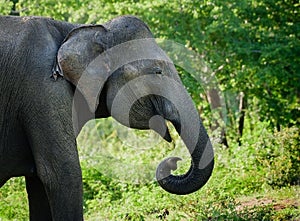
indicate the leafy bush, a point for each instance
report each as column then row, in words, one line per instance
column 5, row 7
column 13, row 200
column 279, row 157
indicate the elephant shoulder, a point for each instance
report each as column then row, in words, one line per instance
column 30, row 42
column 29, row 32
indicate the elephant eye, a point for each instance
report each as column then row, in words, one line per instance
column 157, row 71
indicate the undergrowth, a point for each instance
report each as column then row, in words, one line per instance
column 119, row 184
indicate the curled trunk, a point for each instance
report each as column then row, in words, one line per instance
column 201, row 165
column 182, row 113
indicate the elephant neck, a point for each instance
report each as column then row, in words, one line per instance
column 81, row 113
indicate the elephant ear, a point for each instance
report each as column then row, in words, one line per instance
column 78, row 61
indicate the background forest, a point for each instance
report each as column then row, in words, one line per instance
column 250, row 52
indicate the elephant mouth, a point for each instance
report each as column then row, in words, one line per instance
column 159, row 111
column 159, row 125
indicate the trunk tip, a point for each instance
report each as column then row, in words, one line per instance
column 166, row 166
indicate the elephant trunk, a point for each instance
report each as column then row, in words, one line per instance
column 194, row 136
column 147, row 101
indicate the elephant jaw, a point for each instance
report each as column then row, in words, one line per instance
column 158, row 124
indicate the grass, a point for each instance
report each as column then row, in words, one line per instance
column 149, row 202
column 118, row 176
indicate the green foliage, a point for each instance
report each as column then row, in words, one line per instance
column 5, row 7
column 13, row 200
column 263, row 159
column 251, row 46
column 240, row 172
column 279, row 157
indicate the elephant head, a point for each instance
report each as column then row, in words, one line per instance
column 118, row 67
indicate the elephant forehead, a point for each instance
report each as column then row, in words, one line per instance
column 126, row 28
column 136, row 50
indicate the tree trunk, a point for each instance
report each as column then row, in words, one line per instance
column 242, row 111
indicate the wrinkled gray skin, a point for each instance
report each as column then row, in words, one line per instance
column 40, row 123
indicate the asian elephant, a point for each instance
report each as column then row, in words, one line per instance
column 55, row 76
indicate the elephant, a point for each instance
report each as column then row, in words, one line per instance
column 56, row 76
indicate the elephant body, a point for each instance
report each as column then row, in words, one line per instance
column 40, row 119
column 31, row 141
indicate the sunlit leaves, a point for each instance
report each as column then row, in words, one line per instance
column 5, row 7
column 255, row 42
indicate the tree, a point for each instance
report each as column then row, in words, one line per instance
column 252, row 47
